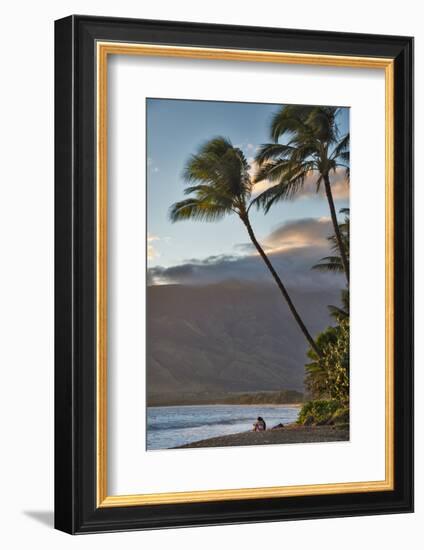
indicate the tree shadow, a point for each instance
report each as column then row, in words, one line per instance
column 46, row 517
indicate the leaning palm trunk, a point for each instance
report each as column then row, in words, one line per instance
column 223, row 186
column 337, row 233
column 283, row 290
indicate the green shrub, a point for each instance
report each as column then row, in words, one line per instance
column 321, row 412
column 341, row 416
column 328, row 376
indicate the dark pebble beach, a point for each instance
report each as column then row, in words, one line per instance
column 292, row 433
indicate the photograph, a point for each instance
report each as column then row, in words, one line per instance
column 247, row 293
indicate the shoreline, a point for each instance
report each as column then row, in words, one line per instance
column 261, row 397
column 291, row 433
column 264, row 405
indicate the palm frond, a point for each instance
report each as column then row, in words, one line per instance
column 340, row 155
column 193, row 209
column 273, row 171
column 334, row 263
column 305, row 122
column 269, row 151
column 342, row 147
column 329, row 263
column 218, row 182
column 288, row 185
column 338, row 313
column 341, row 312
column 290, row 119
column 321, row 120
column 216, row 146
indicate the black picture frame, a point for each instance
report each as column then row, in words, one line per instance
column 75, row 275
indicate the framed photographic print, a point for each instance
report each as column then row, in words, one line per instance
column 233, row 274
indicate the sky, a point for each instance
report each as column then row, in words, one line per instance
column 294, row 232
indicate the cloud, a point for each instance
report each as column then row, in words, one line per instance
column 294, row 234
column 248, row 148
column 152, row 166
column 151, row 251
column 261, row 186
column 339, row 185
column 293, row 247
column 307, row 232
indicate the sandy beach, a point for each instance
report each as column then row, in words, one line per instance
column 292, row 433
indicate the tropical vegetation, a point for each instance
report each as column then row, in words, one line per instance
column 327, row 375
column 322, row 412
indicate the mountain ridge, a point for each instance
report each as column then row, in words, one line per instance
column 230, row 336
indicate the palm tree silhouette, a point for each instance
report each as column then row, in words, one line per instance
column 219, row 184
column 314, row 145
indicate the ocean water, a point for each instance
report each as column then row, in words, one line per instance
column 173, row 426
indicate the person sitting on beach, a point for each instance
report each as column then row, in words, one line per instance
column 259, row 425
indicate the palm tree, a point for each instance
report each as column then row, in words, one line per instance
column 219, row 184
column 334, row 264
column 313, row 146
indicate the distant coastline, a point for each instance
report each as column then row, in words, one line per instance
column 283, row 397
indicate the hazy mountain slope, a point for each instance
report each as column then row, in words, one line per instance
column 228, row 337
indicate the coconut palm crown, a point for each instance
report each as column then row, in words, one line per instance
column 218, row 184
column 313, row 146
